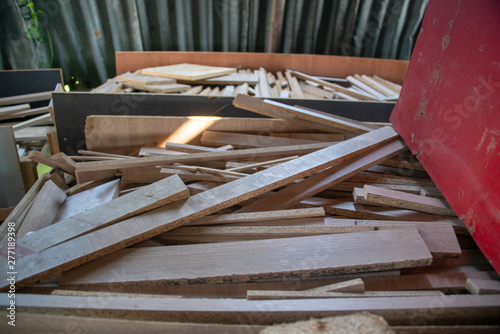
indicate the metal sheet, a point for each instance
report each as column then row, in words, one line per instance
column 448, row 112
column 81, row 37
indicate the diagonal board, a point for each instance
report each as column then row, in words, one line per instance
column 109, row 239
column 147, row 198
column 333, row 121
column 89, row 171
column 242, row 261
column 299, row 191
column 240, row 140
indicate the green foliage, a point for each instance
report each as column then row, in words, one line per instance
column 33, row 26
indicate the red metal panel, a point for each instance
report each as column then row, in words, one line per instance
column 449, row 113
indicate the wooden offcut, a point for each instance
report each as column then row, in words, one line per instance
column 188, row 72
column 482, row 286
column 240, row 140
column 288, row 257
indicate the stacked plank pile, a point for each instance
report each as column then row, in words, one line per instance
column 235, row 224
column 189, row 79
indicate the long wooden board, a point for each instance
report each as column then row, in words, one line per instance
column 109, row 239
column 144, row 80
column 124, row 134
column 289, row 257
column 144, row 199
column 295, row 193
column 335, row 122
column 454, row 310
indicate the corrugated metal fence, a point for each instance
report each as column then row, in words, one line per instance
column 81, row 36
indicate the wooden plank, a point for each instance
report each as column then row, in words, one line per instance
column 296, row 91
column 445, row 282
column 231, row 79
column 347, row 208
column 188, row 72
column 109, row 87
column 186, row 148
column 290, row 256
column 261, row 164
column 22, row 207
column 377, row 86
column 86, row 171
column 277, row 294
column 221, row 234
column 130, row 133
column 44, row 323
column 327, row 137
column 336, row 122
column 87, row 200
column 388, row 197
column 43, row 119
column 145, row 199
column 63, row 162
column 163, row 88
column 193, row 91
column 293, row 194
column 43, row 210
column 265, row 90
column 336, row 88
column 33, row 133
column 144, row 80
column 133, row 230
column 85, row 186
column 207, row 170
column 154, row 174
column 22, row 114
column 258, row 216
column 455, row 310
column 240, row 140
column 18, row 99
column 482, row 287
column 257, row 105
column 364, row 87
column 316, row 92
column 4, row 111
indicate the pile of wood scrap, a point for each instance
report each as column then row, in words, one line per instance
column 230, row 225
column 190, row 79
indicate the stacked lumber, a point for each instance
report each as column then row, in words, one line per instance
column 190, row 79
column 230, row 225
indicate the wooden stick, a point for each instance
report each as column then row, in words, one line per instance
column 276, row 294
column 4, row 111
column 261, row 164
column 240, row 140
column 189, row 148
column 102, row 154
column 133, row 230
column 44, row 119
column 18, row 99
column 259, row 216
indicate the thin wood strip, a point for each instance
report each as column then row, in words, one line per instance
column 186, row 148
column 261, row 164
column 240, row 140
column 103, row 154
column 277, row 295
column 18, row 99
column 133, row 230
column 354, row 285
column 43, row 119
column 4, row 111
